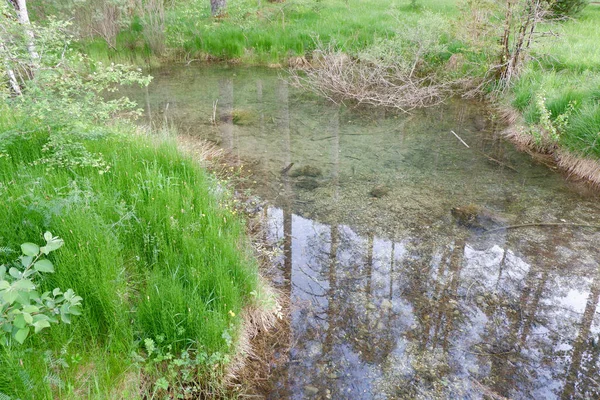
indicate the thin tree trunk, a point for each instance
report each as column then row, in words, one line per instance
column 23, row 16
column 12, row 78
column 217, row 7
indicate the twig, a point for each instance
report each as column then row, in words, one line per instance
column 286, row 169
column 459, row 138
column 485, row 155
column 542, row 225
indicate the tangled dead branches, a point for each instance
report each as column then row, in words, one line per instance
column 339, row 77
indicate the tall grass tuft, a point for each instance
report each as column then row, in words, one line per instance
column 149, row 245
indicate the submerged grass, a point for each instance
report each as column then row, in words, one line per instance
column 150, row 246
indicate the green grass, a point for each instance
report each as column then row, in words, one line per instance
column 566, row 70
column 150, row 246
column 271, row 32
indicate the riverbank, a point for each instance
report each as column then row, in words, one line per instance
column 554, row 107
column 555, row 96
column 157, row 251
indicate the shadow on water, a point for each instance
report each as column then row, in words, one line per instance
column 397, row 291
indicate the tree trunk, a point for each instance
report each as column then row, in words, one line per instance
column 12, row 79
column 217, row 7
column 23, row 16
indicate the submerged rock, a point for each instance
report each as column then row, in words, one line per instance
column 379, row 191
column 476, row 217
column 307, row 170
column 307, row 184
column 311, row 389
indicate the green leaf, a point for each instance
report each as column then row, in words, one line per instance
column 9, row 296
column 28, row 318
column 30, row 249
column 4, row 285
column 66, row 318
column 15, row 273
column 74, row 310
column 26, row 261
column 40, row 317
column 30, row 309
column 23, row 284
column 19, row 321
column 48, row 236
column 39, row 325
column 21, row 335
column 43, row 266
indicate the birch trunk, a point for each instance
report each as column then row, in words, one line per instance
column 12, row 78
column 23, row 17
column 217, row 7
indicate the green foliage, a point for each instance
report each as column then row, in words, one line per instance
column 567, row 8
column 567, row 77
column 22, row 307
column 147, row 245
column 175, row 373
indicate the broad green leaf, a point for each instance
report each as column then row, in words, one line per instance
column 43, row 266
column 56, row 292
column 40, row 317
column 28, row 318
column 69, row 294
column 30, row 249
column 23, row 284
column 74, row 310
column 66, row 318
column 30, row 309
column 21, row 335
column 9, row 296
column 39, row 325
column 19, row 321
column 48, row 236
column 4, row 285
column 7, row 327
column 23, row 298
column 26, row 261
column 15, row 273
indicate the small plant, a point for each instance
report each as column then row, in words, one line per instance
column 553, row 127
column 178, row 376
column 21, row 306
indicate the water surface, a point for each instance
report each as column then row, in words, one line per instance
column 401, row 283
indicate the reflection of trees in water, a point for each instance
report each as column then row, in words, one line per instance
column 226, row 113
column 479, row 313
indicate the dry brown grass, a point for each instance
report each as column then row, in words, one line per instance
column 338, row 77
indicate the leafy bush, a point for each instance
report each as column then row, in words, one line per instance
column 21, row 305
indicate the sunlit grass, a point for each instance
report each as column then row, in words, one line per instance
column 149, row 245
column 566, row 71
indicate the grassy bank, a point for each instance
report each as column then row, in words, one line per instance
column 264, row 32
column 160, row 261
column 564, row 80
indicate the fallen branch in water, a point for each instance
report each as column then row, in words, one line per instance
column 459, row 138
column 483, row 154
column 542, row 224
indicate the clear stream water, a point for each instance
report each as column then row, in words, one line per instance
column 397, row 289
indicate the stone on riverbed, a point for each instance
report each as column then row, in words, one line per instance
column 307, row 170
column 379, row 191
